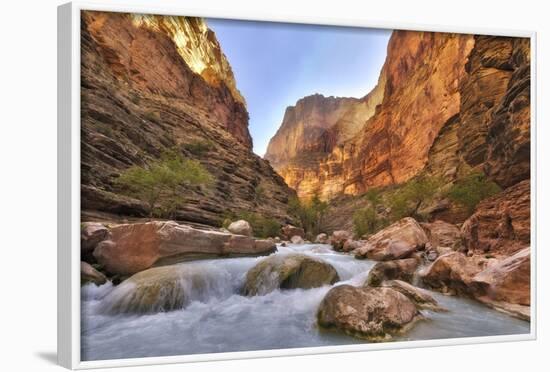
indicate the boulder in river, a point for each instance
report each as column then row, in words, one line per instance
column 139, row 246
column 88, row 274
column 403, row 269
column 419, row 296
column 288, row 231
column 296, row 239
column 339, row 238
column 288, row 272
column 399, row 240
column 240, row 227
column 373, row 313
column 452, row 273
column 321, row 238
column 158, row 289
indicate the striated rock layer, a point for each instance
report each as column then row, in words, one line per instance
column 420, row 81
column 445, row 103
column 155, row 83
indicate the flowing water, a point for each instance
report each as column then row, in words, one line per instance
column 217, row 318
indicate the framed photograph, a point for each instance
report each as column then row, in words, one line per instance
column 237, row 186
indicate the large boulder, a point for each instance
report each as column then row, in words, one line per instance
column 508, row 280
column 443, row 234
column 158, row 289
column 90, row 275
column 288, row 272
column 288, row 231
column 403, row 269
column 399, row 240
column 501, row 225
column 321, row 238
column 374, row 313
column 422, row 298
column 136, row 247
column 339, row 238
column 240, row 227
column 91, row 234
column 296, row 239
column 452, row 273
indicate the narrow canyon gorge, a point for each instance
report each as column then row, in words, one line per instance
column 365, row 217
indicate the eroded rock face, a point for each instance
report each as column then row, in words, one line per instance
column 311, row 130
column 501, row 224
column 420, row 81
column 399, row 240
column 136, row 247
column 90, row 275
column 170, row 92
column 240, row 227
column 397, row 269
column 288, row 272
column 374, row 313
column 495, row 109
column 509, row 280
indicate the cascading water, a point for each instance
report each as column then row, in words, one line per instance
column 209, row 314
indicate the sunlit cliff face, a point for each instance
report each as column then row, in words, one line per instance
column 197, row 45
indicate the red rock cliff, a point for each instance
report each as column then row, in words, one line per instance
column 155, row 83
column 420, row 82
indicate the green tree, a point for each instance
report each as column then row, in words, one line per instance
column 408, row 199
column 471, row 189
column 310, row 212
column 158, row 183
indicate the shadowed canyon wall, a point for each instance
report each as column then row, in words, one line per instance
column 155, row 83
column 443, row 102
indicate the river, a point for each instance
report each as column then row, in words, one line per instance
column 218, row 319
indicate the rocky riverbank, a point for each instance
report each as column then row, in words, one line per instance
column 409, row 259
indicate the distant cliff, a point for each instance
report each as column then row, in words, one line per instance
column 152, row 83
column 443, row 102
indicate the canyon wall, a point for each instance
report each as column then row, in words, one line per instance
column 449, row 102
column 150, row 84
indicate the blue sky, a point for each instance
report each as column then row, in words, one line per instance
column 275, row 64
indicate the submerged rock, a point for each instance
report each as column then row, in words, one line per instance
column 240, row 227
column 374, row 313
column 397, row 269
column 399, row 240
column 288, row 272
column 166, row 288
column 139, row 246
column 90, row 275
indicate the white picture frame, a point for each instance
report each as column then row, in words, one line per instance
column 69, row 184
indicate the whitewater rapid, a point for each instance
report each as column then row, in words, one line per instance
column 217, row 318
